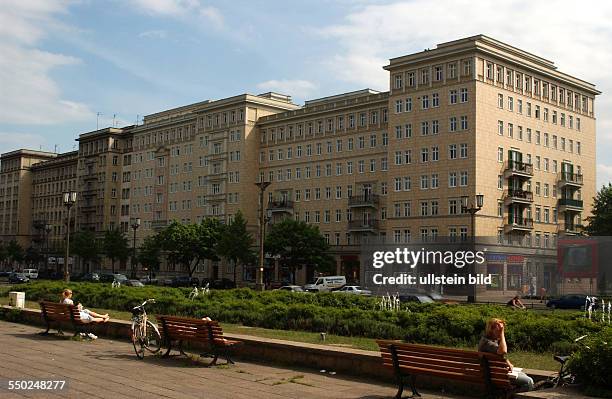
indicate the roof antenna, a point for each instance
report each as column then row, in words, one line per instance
column 97, row 119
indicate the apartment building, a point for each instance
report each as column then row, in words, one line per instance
column 16, row 222
column 472, row 116
column 50, row 179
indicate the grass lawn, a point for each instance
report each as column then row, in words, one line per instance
column 541, row 361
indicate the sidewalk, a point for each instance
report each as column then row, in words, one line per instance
column 109, row 369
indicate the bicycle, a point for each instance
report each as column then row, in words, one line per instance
column 564, row 377
column 145, row 334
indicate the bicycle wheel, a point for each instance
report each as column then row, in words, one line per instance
column 153, row 339
column 137, row 341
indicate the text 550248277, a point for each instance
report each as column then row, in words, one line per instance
column 33, row 385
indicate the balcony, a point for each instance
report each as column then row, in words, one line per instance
column 89, row 193
column 283, row 206
column 520, row 169
column 517, row 196
column 220, row 176
column 572, row 229
column 90, row 176
column 364, row 201
column 570, row 179
column 365, row 226
column 570, row 204
column 159, row 224
column 217, row 157
column 88, row 208
column 518, row 223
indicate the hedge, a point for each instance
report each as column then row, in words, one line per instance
column 347, row 315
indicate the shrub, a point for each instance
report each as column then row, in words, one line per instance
column 348, row 315
column 592, row 362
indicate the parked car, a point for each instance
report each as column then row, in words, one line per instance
column 439, row 298
column 134, row 283
column 223, row 284
column 183, row 281
column 31, row 273
column 421, row 298
column 570, row 301
column 18, row 278
column 6, row 273
column 110, row 277
column 326, row 283
column 354, row 289
column 149, row 280
column 291, row 288
column 90, row 277
column 50, row 275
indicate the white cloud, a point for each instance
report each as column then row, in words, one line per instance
column 13, row 140
column 295, row 88
column 29, row 93
column 153, row 34
column 181, row 9
column 604, row 175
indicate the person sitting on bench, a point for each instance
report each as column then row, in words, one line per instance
column 494, row 341
column 87, row 316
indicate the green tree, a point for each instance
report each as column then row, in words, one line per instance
column 14, row 253
column 85, row 245
column 236, row 243
column 149, row 253
column 115, row 246
column 600, row 224
column 298, row 244
column 32, row 256
column 3, row 254
column 189, row 244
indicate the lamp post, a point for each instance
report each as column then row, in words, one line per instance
column 472, row 210
column 262, row 185
column 48, row 229
column 69, row 201
column 135, row 226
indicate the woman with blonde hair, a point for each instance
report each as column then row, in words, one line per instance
column 87, row 316
column 494, row 341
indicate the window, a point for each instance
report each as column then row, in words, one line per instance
column 408, row 104
column 500, row 128
column 500, row 101
column 500, row 154
column 398, row 81
column 435, row 100
column 425, row 102
column 452, row 179
column 464, row 122
column 452, row 151
column 453, row 96
column 439, row 73
column 464, row 95
column 452, row 124
column 464, row 150
column 463, row 181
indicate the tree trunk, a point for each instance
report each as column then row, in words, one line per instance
column 235, row 266
column 113, row 265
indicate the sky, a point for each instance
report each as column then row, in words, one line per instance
column 68, row 66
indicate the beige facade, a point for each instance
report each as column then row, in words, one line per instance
column 472, row 116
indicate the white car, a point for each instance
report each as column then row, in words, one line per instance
column 354, row 289
column 291, row 288
column 31, row 273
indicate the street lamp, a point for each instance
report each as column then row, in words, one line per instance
column 472, row 210
column 69, row 200
column 262, row 185
column 135, row 226
column 47, row 229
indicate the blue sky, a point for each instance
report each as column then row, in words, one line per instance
column 64, row 61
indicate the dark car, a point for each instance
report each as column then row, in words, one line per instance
column 109, row 278
column 134, row 283
column 5, row 273
column 50, row 275
column 184, row 281
column 420, row 298
column 223, row 284
column 17, row 278
column 570, row 301
column 89, row 277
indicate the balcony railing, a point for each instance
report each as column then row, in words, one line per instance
column 363, row 225
column 364, row 200
column 280, row 206
column 571, row 178
column 519, row 222
column 570, row 202
column 159, row 224
column 519, row 168
column 519, row 195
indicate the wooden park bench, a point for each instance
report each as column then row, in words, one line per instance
column 203, row 332
column 487, row 370
column 53, row 312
